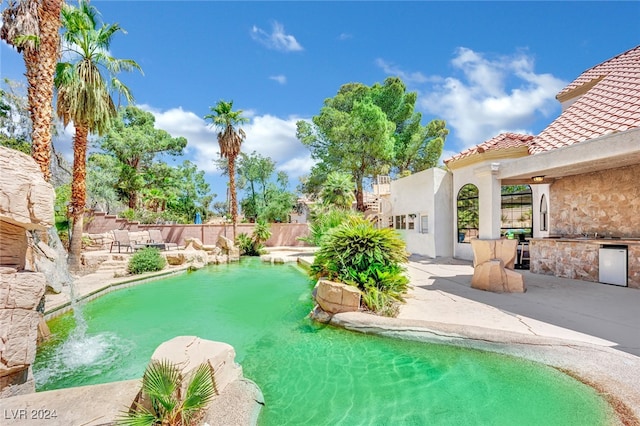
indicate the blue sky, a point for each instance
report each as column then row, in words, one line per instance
column 484, row 67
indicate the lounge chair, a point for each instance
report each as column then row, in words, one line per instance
column 155, row 237
column 121, row 239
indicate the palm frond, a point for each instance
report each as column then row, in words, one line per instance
column 200, row 391
column 161, row 383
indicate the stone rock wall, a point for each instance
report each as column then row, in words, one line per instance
column 26, row 204
column 26, row 199
column 20, row 295
column 606, row 202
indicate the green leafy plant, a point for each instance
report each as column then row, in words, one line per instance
column 146, row 260
column 161, row 401
column 324, row 218
column 253, row 245
column 371, row 259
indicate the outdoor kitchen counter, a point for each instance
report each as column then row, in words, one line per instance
column 577, row 258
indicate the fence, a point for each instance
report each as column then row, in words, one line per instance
column 282, row 234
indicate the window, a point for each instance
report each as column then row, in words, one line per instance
column 543, row 214
column 516, row 211
column 424, row 224
column 468, row 213
column 401, row 222
column 411, row 219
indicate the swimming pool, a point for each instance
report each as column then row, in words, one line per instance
column 309, row 374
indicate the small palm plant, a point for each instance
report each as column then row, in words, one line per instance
column 163, row 401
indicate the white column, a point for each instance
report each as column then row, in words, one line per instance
column 489, row 188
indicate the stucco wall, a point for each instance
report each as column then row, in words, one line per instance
column 605, row 202
column 427, row 193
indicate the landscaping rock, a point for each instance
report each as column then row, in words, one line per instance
column 335, row 297
column 188, row 352
column 175, row 258
column 317, row 314
column 493, row 262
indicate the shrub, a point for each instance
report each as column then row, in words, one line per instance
column 146, row 260
column 161, row 387
column 371, row 259
column 253, row 246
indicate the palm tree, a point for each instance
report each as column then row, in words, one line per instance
column 224, row 118
column 32, row 27
column 339, row 190
column 84, row 97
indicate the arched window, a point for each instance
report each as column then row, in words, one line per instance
column 516, row 214
column 468, row 213
column 544, row 218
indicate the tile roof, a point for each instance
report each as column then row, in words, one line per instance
column 608, row 101
column 502, row 141
column 611, row 105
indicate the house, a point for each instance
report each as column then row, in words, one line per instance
column 577, row 183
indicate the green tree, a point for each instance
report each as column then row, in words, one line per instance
column 225, row 119
column 102, row 179
column 192, row 193
column 15, row 123
column 338, row 190
column 134, row 142
column 367, row 131
column 350, row 134
column 419, row 147
column 266, row 200
column 32, row 27
column 84, row 97
column 254, row 172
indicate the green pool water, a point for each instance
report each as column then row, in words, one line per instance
column 309, row 374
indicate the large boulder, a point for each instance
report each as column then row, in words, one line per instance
column 188, row 352
column 228, row 248
column 493, row 262
column 195, row 258
column 335, row 297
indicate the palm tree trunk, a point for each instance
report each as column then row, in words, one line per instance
column 133, row 199
column 42, row 83
column 232, row 196
column 78, row 195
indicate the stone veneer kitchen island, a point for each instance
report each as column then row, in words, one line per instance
column 577, row 258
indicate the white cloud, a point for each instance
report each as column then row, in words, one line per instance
column 407, row 77
column 277, row 39
column 282, row 79
column 491, row 95
column 268, row 135
column 276, row 138
column 345, row 36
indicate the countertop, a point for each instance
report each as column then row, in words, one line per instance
column 599, row 240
